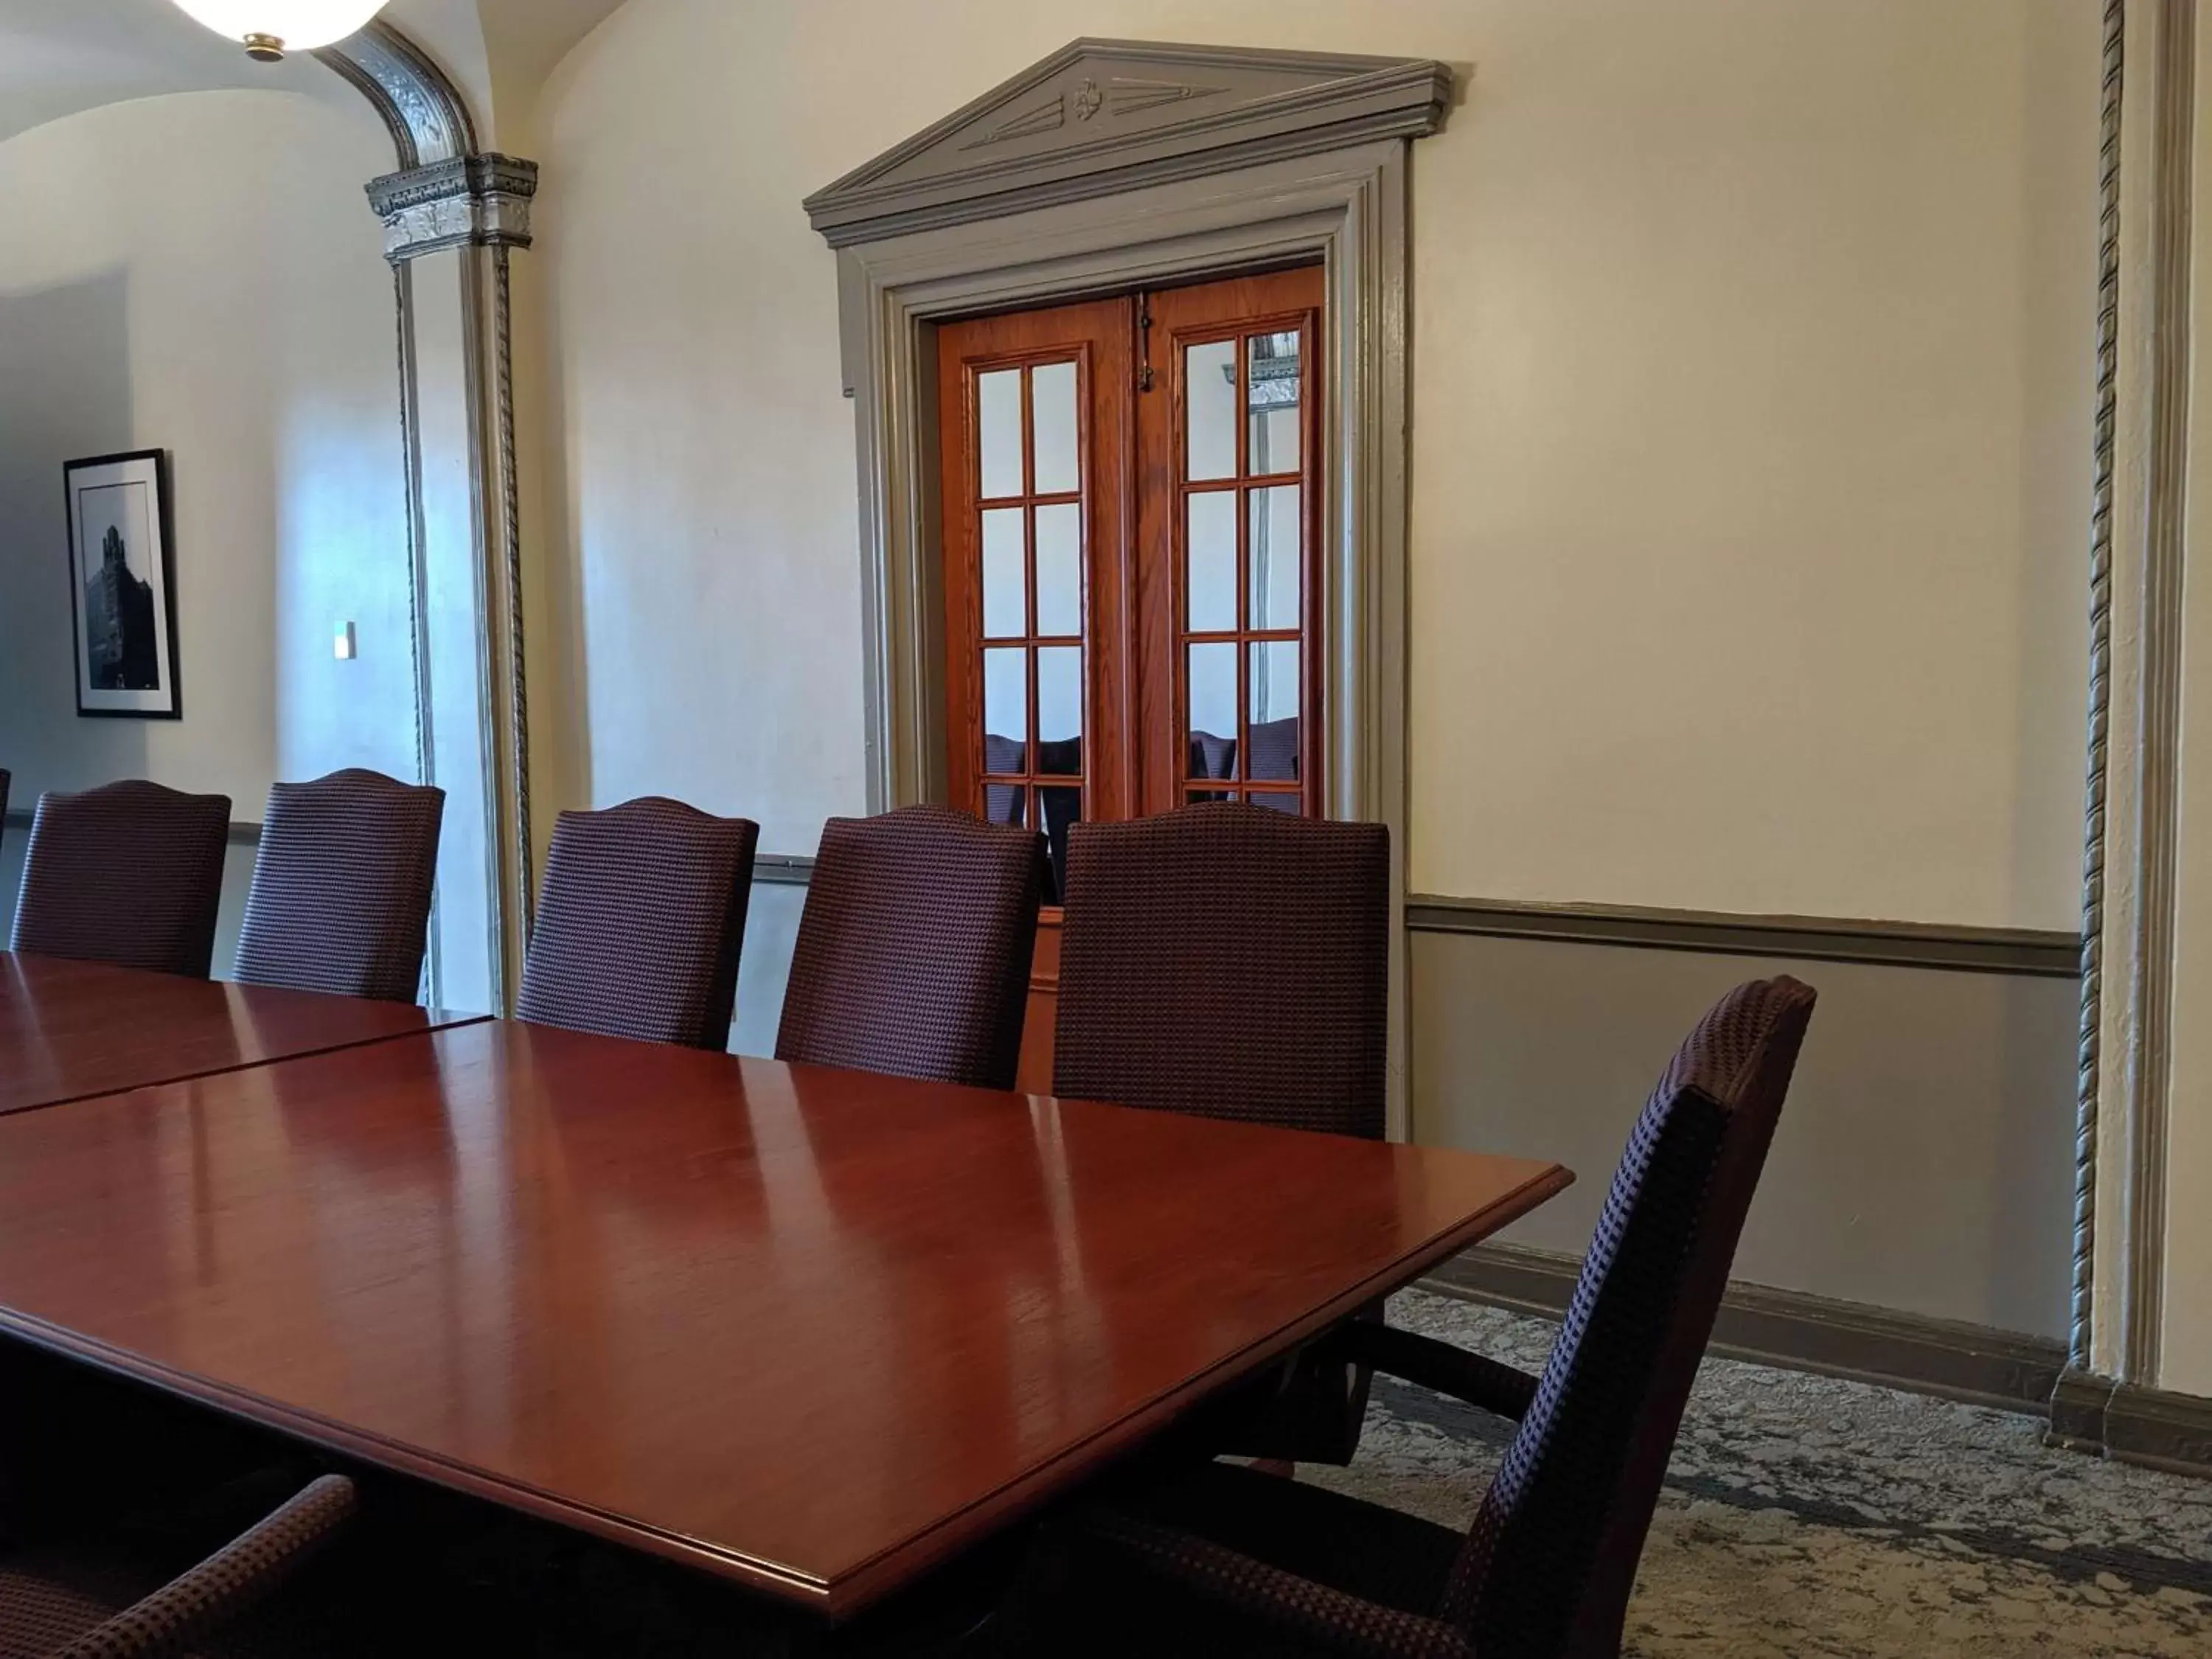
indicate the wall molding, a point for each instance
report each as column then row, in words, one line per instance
column 471, row 200
column 422, row 110
column 2089, row 1042
column 1817, row 939
column 1101, row 117
column 1799, row 1332
column 2131, row 1423
column 447, row 196
column 2147, row 925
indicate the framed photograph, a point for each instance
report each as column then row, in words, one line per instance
column 122, row 585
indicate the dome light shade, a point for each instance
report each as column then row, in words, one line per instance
column 270, row 28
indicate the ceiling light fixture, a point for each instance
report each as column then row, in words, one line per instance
column 270, row 28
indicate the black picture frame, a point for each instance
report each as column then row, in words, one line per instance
column 122, row 586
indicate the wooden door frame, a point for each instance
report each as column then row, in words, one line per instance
column 1347, row 207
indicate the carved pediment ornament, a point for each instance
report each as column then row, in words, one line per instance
column 1171, row 111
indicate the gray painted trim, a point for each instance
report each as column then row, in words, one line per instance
column 448, row 195
column 2089, row 1068
column 1170, row 112
column 423, row 111
column 1789, row 1329
column 480, row 199
column 2077, row 1411
column 1349, row 208
column 783, row 869
column 240, row 835
column 418, row 580
column 1816, row 938
column 2132, row 1424
column 2146, row 1082
column 521, row 899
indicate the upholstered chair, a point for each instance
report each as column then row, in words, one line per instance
column 912, row 955
column 341, row 896
column 1221, row 1559
column 129, row 874
column 640, row 923
column 1228, row 960
column 106, row 1599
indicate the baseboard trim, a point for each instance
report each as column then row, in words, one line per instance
column 1818, row 938
column 1789, row 1329
column 2131, row 1423
column 241, row 834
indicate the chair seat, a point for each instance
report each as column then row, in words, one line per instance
column 1111, row 1605
column 52, row 1595
column 1379, row 1554
column 49, row 1597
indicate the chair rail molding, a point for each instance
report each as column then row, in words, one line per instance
column 1118, row 165
column 453, row 214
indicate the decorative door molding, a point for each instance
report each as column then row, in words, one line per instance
column 1100, row 118
column 1082, row 176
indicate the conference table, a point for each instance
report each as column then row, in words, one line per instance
column 70, row 1029
column 811, row 1331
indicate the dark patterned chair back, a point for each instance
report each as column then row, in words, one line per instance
column 642, row 919
column 1229, row 961
column 1273, row 750
column 5, row 777
column 341, row 897
column 130, row 873
column 1213, row 757
column 912, row 955
column 1548, row 1565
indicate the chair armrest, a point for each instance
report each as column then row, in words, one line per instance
column 1495, row 1388
column 234, row 1577
column 1296, row 1606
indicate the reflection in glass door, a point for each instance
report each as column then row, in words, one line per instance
column 1244, row 545
column 1028, row 404
column 1130, row 535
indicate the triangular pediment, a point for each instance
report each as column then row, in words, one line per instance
column 1103, row 115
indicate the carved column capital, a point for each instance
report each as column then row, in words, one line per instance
column 469, row 201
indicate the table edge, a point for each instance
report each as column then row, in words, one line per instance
column 869, row 1581
column 843, row 1594
column 791, row 1584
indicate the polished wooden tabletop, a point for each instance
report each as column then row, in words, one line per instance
column 71, row 1029
column 809, row 1329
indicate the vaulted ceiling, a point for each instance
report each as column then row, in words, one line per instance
column 58, row 56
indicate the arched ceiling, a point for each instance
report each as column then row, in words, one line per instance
column 58, row 56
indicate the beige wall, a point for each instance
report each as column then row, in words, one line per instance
column 1751, row 376
column 199, row 272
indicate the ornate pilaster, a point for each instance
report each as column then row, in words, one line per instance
column 469, row 201
column 452, row 217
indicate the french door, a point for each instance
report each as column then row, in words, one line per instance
column 1130, row 489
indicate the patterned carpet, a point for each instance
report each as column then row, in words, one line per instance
column 1804, row 1515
